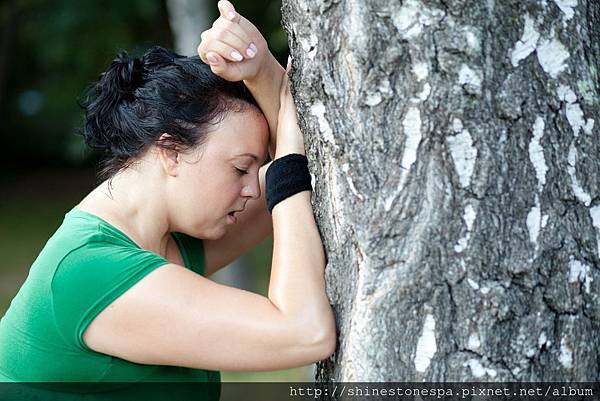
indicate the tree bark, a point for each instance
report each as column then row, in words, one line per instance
column 455, row 150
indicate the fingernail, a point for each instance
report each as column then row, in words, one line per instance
column 236, row 56
column 212, row 59
column 231, row 15
column 253, row 47
column 251, row 53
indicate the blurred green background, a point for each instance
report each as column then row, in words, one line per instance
column 49, row 52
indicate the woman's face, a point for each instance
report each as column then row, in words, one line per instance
column 219, row 177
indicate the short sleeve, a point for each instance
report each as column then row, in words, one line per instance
column 192, row 251
column 91, row 277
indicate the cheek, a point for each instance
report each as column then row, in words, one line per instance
column 191, row 192
column 213, row 189
column 232, row 192
column 229, row 181
column 223, row 190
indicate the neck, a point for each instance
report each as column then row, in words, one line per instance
column 136, row 205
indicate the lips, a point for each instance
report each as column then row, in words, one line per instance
column 231, row 215
column 231, row 218
column 237, row 211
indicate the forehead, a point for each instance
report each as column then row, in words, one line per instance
column 240, row 132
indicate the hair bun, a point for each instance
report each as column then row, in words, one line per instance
column 124, row 75
column 107, row 101
column 158, row 57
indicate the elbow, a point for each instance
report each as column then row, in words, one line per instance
column 327, row 345
column 323, row 341
column 312, row 338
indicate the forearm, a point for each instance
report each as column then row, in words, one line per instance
column 297, row 285
column 265, row 89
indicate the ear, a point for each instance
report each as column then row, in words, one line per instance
column 169, row 155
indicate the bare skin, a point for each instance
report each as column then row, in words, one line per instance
column 176, row 317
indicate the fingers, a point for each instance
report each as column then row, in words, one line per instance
column 244, row 40
column 227, row 37
column 213, row 58
column 218, row 65
column 216, row 62
column 229, row 13
column 228, row 45
column 235, row 28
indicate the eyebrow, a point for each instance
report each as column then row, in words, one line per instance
column 253, row 156
column 250, row 155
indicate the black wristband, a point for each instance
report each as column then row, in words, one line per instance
column 285, row 177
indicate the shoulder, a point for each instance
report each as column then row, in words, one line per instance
column 95, row 268
column 73, row 234
column 88, row 253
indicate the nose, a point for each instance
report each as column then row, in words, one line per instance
column 252, row 187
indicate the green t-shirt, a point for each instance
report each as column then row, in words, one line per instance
column 83, row 268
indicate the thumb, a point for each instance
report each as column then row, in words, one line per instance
column 227, row 10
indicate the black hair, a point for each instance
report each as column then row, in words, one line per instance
column 136, row 100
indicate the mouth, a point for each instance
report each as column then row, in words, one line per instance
column 237, row 211
column 232, row 217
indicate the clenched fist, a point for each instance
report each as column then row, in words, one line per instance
column 234, row 48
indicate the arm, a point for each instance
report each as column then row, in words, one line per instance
column 254, row 64
column 176, row 317
column 297, row 284
column 265, row 89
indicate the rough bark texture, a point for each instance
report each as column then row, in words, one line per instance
column 455, row 150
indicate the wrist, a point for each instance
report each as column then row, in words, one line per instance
column 286, row 177
column 284, row 149
column 268, row 74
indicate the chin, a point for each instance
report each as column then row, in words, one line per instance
column 215, row 234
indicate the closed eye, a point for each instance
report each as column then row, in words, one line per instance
column 241, row 172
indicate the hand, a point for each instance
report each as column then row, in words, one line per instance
column 289, row 137
column 233, row 47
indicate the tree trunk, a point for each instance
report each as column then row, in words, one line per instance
column 455, row 149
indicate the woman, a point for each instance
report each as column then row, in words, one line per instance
column 120, row 293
